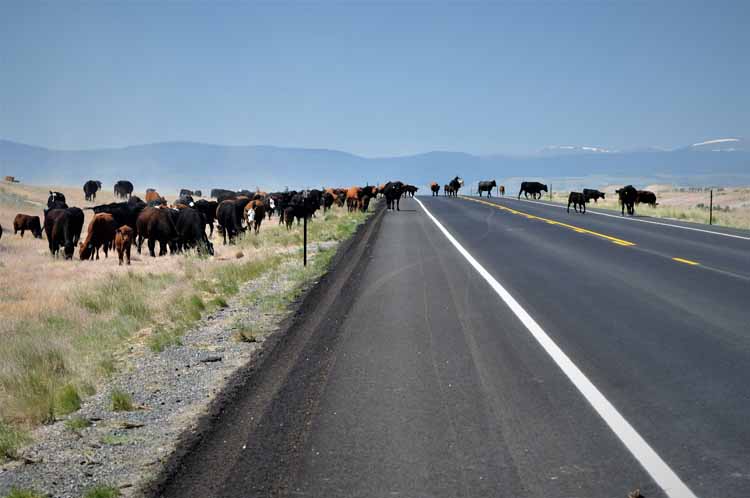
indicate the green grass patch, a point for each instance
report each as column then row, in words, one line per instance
column 68, row 400
column 162, row 338
column 11, row 439
column 121, row 401
column 115, row 439
column 76, row 424
column 24, row 493
column 102, row 492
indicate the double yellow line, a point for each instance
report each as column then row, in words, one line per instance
column 614, row 240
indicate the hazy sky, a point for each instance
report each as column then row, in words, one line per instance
column 376, row 79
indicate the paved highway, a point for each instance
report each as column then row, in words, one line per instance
column 537, row 354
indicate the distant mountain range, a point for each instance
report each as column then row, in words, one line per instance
column 171, row 165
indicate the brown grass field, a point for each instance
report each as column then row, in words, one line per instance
column 65, row 324
column 731, row 204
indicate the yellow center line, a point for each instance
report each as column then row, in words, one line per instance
column 686, row 261
column 614, row 240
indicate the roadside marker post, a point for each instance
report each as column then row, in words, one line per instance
column 711, row 207
column 304, row 230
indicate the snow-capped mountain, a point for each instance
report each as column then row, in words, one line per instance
column 722, row 145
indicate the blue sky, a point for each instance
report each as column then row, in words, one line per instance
column 375, row 79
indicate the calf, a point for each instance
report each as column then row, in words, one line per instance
column 23, row 222
column 101, row 234
column 589, row 193
column 123, row 240
column 255, row 211
column 577, row 199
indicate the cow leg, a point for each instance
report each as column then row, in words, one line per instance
column 119, row 254
column 152, row 247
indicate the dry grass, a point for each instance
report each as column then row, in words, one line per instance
column 731, row 204
column 66, row 323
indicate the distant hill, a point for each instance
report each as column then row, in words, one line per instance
column 171, row 165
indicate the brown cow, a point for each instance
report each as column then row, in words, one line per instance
column 23, row 222
column 435, row 187
column 153, row 196
column 352, row 198
column 101, row 233
column 501, row 189
column 123, row 241
column 255, row 211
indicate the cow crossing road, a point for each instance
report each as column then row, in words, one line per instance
column 430, row 383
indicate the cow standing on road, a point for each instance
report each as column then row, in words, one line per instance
column 533, row 188
column 454, row 186
column 435, row 187
column 487, row 186
column 578, row 200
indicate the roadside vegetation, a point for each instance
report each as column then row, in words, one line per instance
column 731, row 206
column 67, row 324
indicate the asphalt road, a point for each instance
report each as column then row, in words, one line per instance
column 426, row 384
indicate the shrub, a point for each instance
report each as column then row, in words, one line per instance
column 121, row 401
column 77, row 423
column 11, row 439
column 68, row 400
column 24, row 493
column 102, row 492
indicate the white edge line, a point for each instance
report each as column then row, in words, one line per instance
column 638, row 447
column 637, row 219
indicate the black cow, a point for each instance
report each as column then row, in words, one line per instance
column 191, row 231
column 646, row 197
column 63, row 228
column 627, row 196
column 577, row 199
column 435, row 188
column 455, row 185
column 90, row 188
column 124, row 213
column 410, row 190
column 185, row 200
column 156, row 224
column 589, row 193
column 208, row 209
column 533, row 188
column 56, row 200
column 327, row 201
column 229, row 221
column 195, row 193
column 123, row 189
column 392, row 193
column 487, row 186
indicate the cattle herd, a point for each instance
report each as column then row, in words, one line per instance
column 182, row 225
